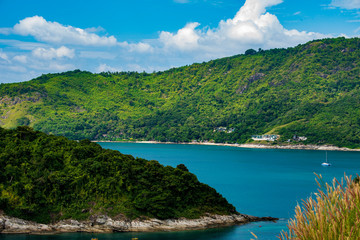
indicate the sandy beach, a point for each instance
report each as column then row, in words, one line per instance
column 253, row 145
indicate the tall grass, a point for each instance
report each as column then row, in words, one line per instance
column 333, row 214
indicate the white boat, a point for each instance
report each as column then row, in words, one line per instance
column 326, row 163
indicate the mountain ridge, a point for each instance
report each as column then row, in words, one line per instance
column 309, row 90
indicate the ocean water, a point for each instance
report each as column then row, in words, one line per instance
column 259, row 182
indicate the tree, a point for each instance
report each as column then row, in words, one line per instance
column 250, row 51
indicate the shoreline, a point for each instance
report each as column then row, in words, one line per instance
column 105, row 224
column 250, row 145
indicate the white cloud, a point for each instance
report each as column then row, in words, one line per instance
column 185, row 39
column 253, row 9
column 346, row 4
column 20, row 58
column 105, row 68
column 252, row 27
column 52, row 53
column 53, row 32
column 140, row 47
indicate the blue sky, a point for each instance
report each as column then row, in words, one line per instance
column 39, row 36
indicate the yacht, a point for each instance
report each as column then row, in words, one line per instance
column 326, row 163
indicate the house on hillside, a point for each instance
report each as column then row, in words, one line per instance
column 224, row 129
column 220, row 129
column 299, row 138
column 264, row 137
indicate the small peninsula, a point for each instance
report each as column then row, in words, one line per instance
column 52, row 184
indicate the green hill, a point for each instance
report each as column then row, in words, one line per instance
column 46, row 178
column 310, row 90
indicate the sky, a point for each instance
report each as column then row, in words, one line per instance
column 41, row 36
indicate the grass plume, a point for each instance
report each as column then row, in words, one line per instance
column 334, row 213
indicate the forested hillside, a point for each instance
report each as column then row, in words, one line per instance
column 46, row 178
column 310, row 90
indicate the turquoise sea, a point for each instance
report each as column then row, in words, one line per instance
column 260, row 182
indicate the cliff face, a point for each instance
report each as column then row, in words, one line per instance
column 105, row 224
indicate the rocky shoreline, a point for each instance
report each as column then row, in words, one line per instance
column 105, row 224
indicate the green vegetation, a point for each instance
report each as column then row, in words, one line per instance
column 47, row 178
column 311, row 90
column 334, row 214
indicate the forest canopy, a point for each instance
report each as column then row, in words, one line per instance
column 46, row 178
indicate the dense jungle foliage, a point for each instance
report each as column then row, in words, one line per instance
column 47, row 178
column 311, row 90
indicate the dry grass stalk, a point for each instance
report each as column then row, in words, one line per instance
column 333, row 214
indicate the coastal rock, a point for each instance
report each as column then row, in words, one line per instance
column 68, row 226
column 2, row 224
column 16, row 225
column 105, row 224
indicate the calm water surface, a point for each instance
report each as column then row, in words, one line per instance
column 260, row 182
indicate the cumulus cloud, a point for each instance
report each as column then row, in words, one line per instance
column 185, row 39
column 52, row 53
column 54, row 32
column 252, row 27
column 346, row 4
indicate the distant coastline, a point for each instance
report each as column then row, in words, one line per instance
column 252, row 145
